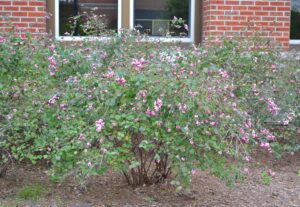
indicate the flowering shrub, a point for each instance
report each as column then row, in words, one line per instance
column 147, row 110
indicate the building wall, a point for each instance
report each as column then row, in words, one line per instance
column 220, row 18
column 26, row 15
column 270, row 18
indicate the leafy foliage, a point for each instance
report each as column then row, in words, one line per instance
column 148, row 110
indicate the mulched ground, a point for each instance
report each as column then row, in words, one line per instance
column 206, row 190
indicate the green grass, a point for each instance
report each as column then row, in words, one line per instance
column 32, row 192
column 266, row 179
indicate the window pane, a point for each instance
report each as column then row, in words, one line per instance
column 162, row 17
column 295, row 20
column 94, row 17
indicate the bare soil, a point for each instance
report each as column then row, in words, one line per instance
column 206, row 190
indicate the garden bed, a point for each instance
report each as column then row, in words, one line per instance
column 206, row 190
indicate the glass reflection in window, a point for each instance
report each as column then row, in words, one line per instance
column 87, row 17
column 162, row 18
column 295, row 20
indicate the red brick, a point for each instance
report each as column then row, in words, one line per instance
column 21, row 25
column 11, row 8
column 37, row 3
column 217, row 2
column 216, row 13
column 19, row 14
column 28, row 8
column 237, row 28
column 20, row 3
column 239, row 18
column 269, row 18
column 224, row 7
column 231, row 12
column 41, row 20
column 283, row 8
column 269, row 8
column 285, row 19
column 276, row 34
column 41, row 8
column 36, row 14
column 282, row 29
column 282, row 39
column 261, row 13
column 37, row 25
column 276, row 24
column 254, row 18
column 262, row 3
column 5, row 3
column 25, row 19
column 247, row 13
column 217, row 22
column 224, row 17
column 276, row 14
column 241, row 8
column 232, row 2
column 276, row 3
column 222, row 28
column 232, row 23
column 254, row 8
column 247, row 3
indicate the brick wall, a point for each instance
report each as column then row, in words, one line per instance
column 229, row 18
column 221, row 18
column 26, row 15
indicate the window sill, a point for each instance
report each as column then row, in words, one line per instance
column 70, row 38
column 146, row 39
column 295, row 42
column 167, row 39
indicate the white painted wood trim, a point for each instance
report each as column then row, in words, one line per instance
column 120, row 6
column 131, row 14
column 295, row 42
column 56, row 21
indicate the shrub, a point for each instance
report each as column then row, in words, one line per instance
column 147, row 110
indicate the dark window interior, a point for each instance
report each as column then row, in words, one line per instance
column 162, row 17
column 71, row 8
column 295, row 20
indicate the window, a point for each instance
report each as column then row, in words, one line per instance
column 168, row 20
column 71, row 20
column 295, row 22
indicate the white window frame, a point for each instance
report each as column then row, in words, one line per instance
column 294, row 42
column 190, row 39
column 79, row 38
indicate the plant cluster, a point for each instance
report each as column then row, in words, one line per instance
column 148, row 110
